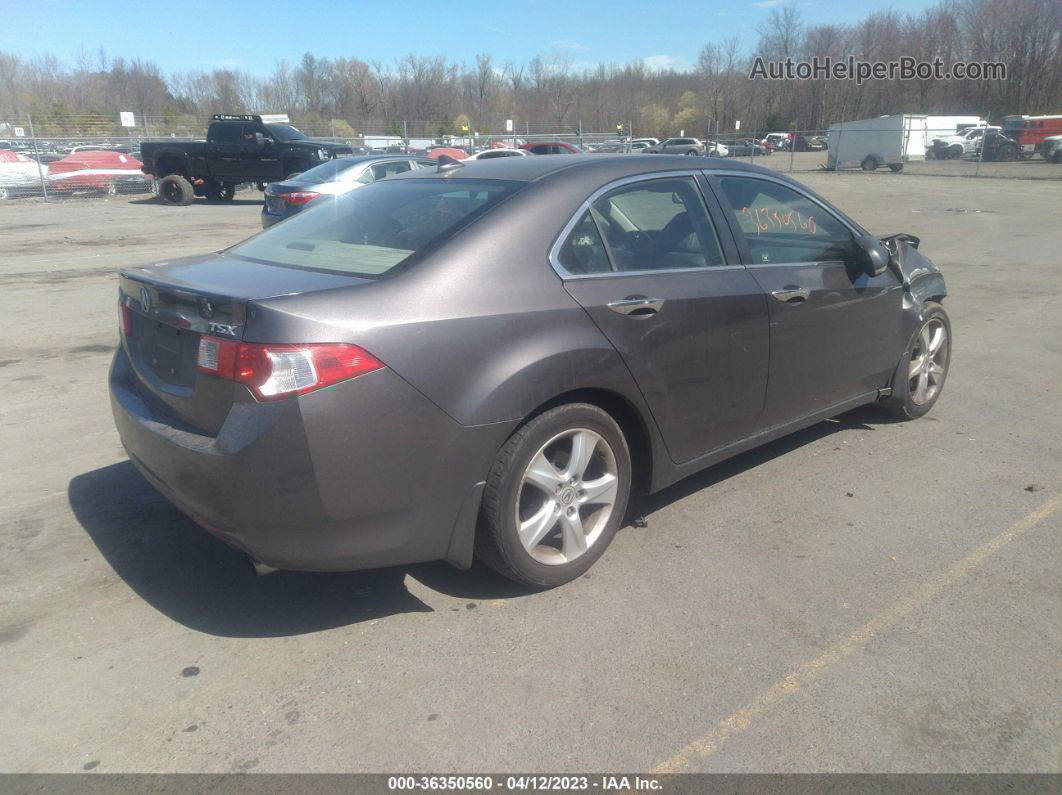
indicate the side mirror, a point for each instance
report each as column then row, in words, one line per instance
column 875, row 255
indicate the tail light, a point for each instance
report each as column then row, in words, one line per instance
column 280, row 371
column 299, row 197
column 125, row 315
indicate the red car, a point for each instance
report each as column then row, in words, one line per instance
column 110, row 172
column 552, row 148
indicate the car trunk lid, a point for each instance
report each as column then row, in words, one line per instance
column 169, row 307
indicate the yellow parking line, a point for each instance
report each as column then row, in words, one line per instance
column 738, row 721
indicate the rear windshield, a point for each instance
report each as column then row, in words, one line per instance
column 328, row 171
column 368, row 232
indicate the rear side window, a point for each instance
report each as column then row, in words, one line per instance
column 227, row 133
column 369, row 231
column 583, row 250
column 658, row 224
column 385, row 170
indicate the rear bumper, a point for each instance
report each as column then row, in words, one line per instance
column 363, row 474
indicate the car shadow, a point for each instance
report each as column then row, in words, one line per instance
column 864, row 418
column 196, row 580
column 237, row 202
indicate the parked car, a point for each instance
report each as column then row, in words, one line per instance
column 716, row 149
column 112, row 173
column 1052, row 149
column 967, row 142
column 646, row 141
column 331, row 179
column 640, row 146
column 490, row 154
column 818, row 143
column 378, row 381
column 552, row 148
column 997, row 146
column 677, row 146
column 19, row 175
column 779, row 140
column 238, row 148
column 745, row 147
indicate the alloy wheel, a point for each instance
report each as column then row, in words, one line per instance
column 567, row 495
column 929, row 358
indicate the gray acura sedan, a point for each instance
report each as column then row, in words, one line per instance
column 486, row 359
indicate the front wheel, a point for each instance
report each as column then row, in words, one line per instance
column 918, row 383
column 870, row 163
column 1008, row 153
column 175, row 189
column 555, row 497
column 690, row 152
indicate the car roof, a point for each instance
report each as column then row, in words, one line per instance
column 605, row 168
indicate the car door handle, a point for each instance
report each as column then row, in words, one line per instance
column 792, row 295
column 637, row 306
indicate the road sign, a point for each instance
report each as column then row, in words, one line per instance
column 127, row 118
column 508, row 125
column 20, row 133
column 737, row 124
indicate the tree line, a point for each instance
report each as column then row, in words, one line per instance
column 439, row 95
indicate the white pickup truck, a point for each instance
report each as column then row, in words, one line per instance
column 964, row 143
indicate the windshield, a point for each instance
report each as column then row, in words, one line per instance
column 285, row 132
column 368, row 232
column 328, row 171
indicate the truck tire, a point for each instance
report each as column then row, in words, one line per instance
column 1007, row 153
column 895, row 168
column 870, row 163
column 955, row 152
column 176, row 190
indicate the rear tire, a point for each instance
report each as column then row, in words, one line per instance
column 1007, row 153
column 5, row 193
column 896, row 168
column 555, row 497
column 176, row 190
column 869, row 163
column 692, row 152
column 916, row 388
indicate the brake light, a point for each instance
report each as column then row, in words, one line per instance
column 125, row 315
column 299, row 197
column 280, row 371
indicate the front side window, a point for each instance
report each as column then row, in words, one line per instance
column 369, row 231
column 781, row 225
column 657, row 224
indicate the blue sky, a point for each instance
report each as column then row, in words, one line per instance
column 254, row 34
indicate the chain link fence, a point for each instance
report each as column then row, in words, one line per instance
column 96, row 155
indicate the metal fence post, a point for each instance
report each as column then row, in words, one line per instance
column 981, row 153
column 37, row 157
column 752, row 148
column 792, row 148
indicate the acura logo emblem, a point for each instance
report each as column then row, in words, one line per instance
column 145, row 299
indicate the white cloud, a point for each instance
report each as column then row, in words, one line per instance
column 661, row 63
column 769, row 3
column 569, row 44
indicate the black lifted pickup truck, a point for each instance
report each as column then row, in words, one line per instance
column 237, row 149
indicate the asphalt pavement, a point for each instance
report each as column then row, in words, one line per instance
column 865, row 595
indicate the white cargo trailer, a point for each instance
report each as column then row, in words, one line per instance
column 870, row 143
